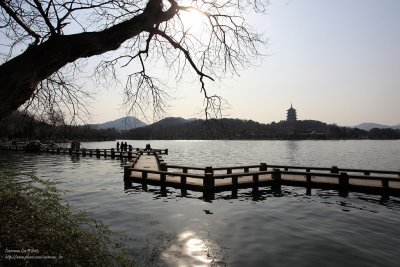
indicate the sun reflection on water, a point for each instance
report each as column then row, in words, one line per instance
column 190, row 250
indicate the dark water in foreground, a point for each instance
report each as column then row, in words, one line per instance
column 292, row 230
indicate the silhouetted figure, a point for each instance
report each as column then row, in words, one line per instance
column 117, row 146
column 73, row 145
column 148, row 147
column 78, row 145
column 126, row 146
column 130, row 148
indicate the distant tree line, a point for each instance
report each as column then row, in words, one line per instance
column 235, row 129
column 23, row 127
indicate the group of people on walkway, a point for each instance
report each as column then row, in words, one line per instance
column 75, row 145
column 124, row 146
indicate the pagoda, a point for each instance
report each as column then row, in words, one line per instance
column 291, row 114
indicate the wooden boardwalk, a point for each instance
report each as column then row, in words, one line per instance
column 86, row 152
column 152, row 170
column 146, row 166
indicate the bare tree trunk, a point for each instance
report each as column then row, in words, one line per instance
column 20, row 75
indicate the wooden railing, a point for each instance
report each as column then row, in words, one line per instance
column 340, row 177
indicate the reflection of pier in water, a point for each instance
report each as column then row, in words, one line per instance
column 148, row 168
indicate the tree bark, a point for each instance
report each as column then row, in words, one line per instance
column 20, row 76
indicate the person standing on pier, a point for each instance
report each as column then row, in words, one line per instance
column 117, row 145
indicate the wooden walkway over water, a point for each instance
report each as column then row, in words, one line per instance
column 152, row 170
column 87, row 152
column 147, row 167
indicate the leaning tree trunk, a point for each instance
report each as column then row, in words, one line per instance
column 20, row 76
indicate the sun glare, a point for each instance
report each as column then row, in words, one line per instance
column 193, row 19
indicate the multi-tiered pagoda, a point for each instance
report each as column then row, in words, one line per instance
column 291, row 114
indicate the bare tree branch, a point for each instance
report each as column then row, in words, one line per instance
column 138, row 36
column 19, row 20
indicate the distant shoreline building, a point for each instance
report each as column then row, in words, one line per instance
column 291, row 114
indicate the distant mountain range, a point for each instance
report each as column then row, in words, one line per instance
column 121, row 124
column 369, row 125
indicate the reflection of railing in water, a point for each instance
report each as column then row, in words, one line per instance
column 213, row 180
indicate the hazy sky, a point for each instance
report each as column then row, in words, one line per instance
column 336, row 61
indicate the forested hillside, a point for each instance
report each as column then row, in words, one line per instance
column 20, row 126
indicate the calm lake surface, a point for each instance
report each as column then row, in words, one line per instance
column 292, row 230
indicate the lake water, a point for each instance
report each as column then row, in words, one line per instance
column 292, row 230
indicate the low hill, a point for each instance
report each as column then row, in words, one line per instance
column 121, row 124
column 235, row 129
column 369, row 125
column 167, row 128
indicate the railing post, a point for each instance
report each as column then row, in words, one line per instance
column 58, row 150
column 308, row 176
column 70, row 151
column 343, row 184
column 385, row 189
column 276, row 181
column 84, row 152
column 234, row 186
column 163, row 178
column 90, row 153
column 366, row 173
column 183, row 177
column 127, row 174
column 263, row 167
column 144, row 182
column 105, row 153
column 255, row 183
column 208, row 183
column 334, row 169
column 308, row 180
column 166, row 151
column 112, row 153
column 183, row 182
column 98, row 153
column 245, row 169
column 163, row 166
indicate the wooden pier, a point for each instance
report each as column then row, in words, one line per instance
column 152, row 170
column 84, row 152
column 147, row 167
